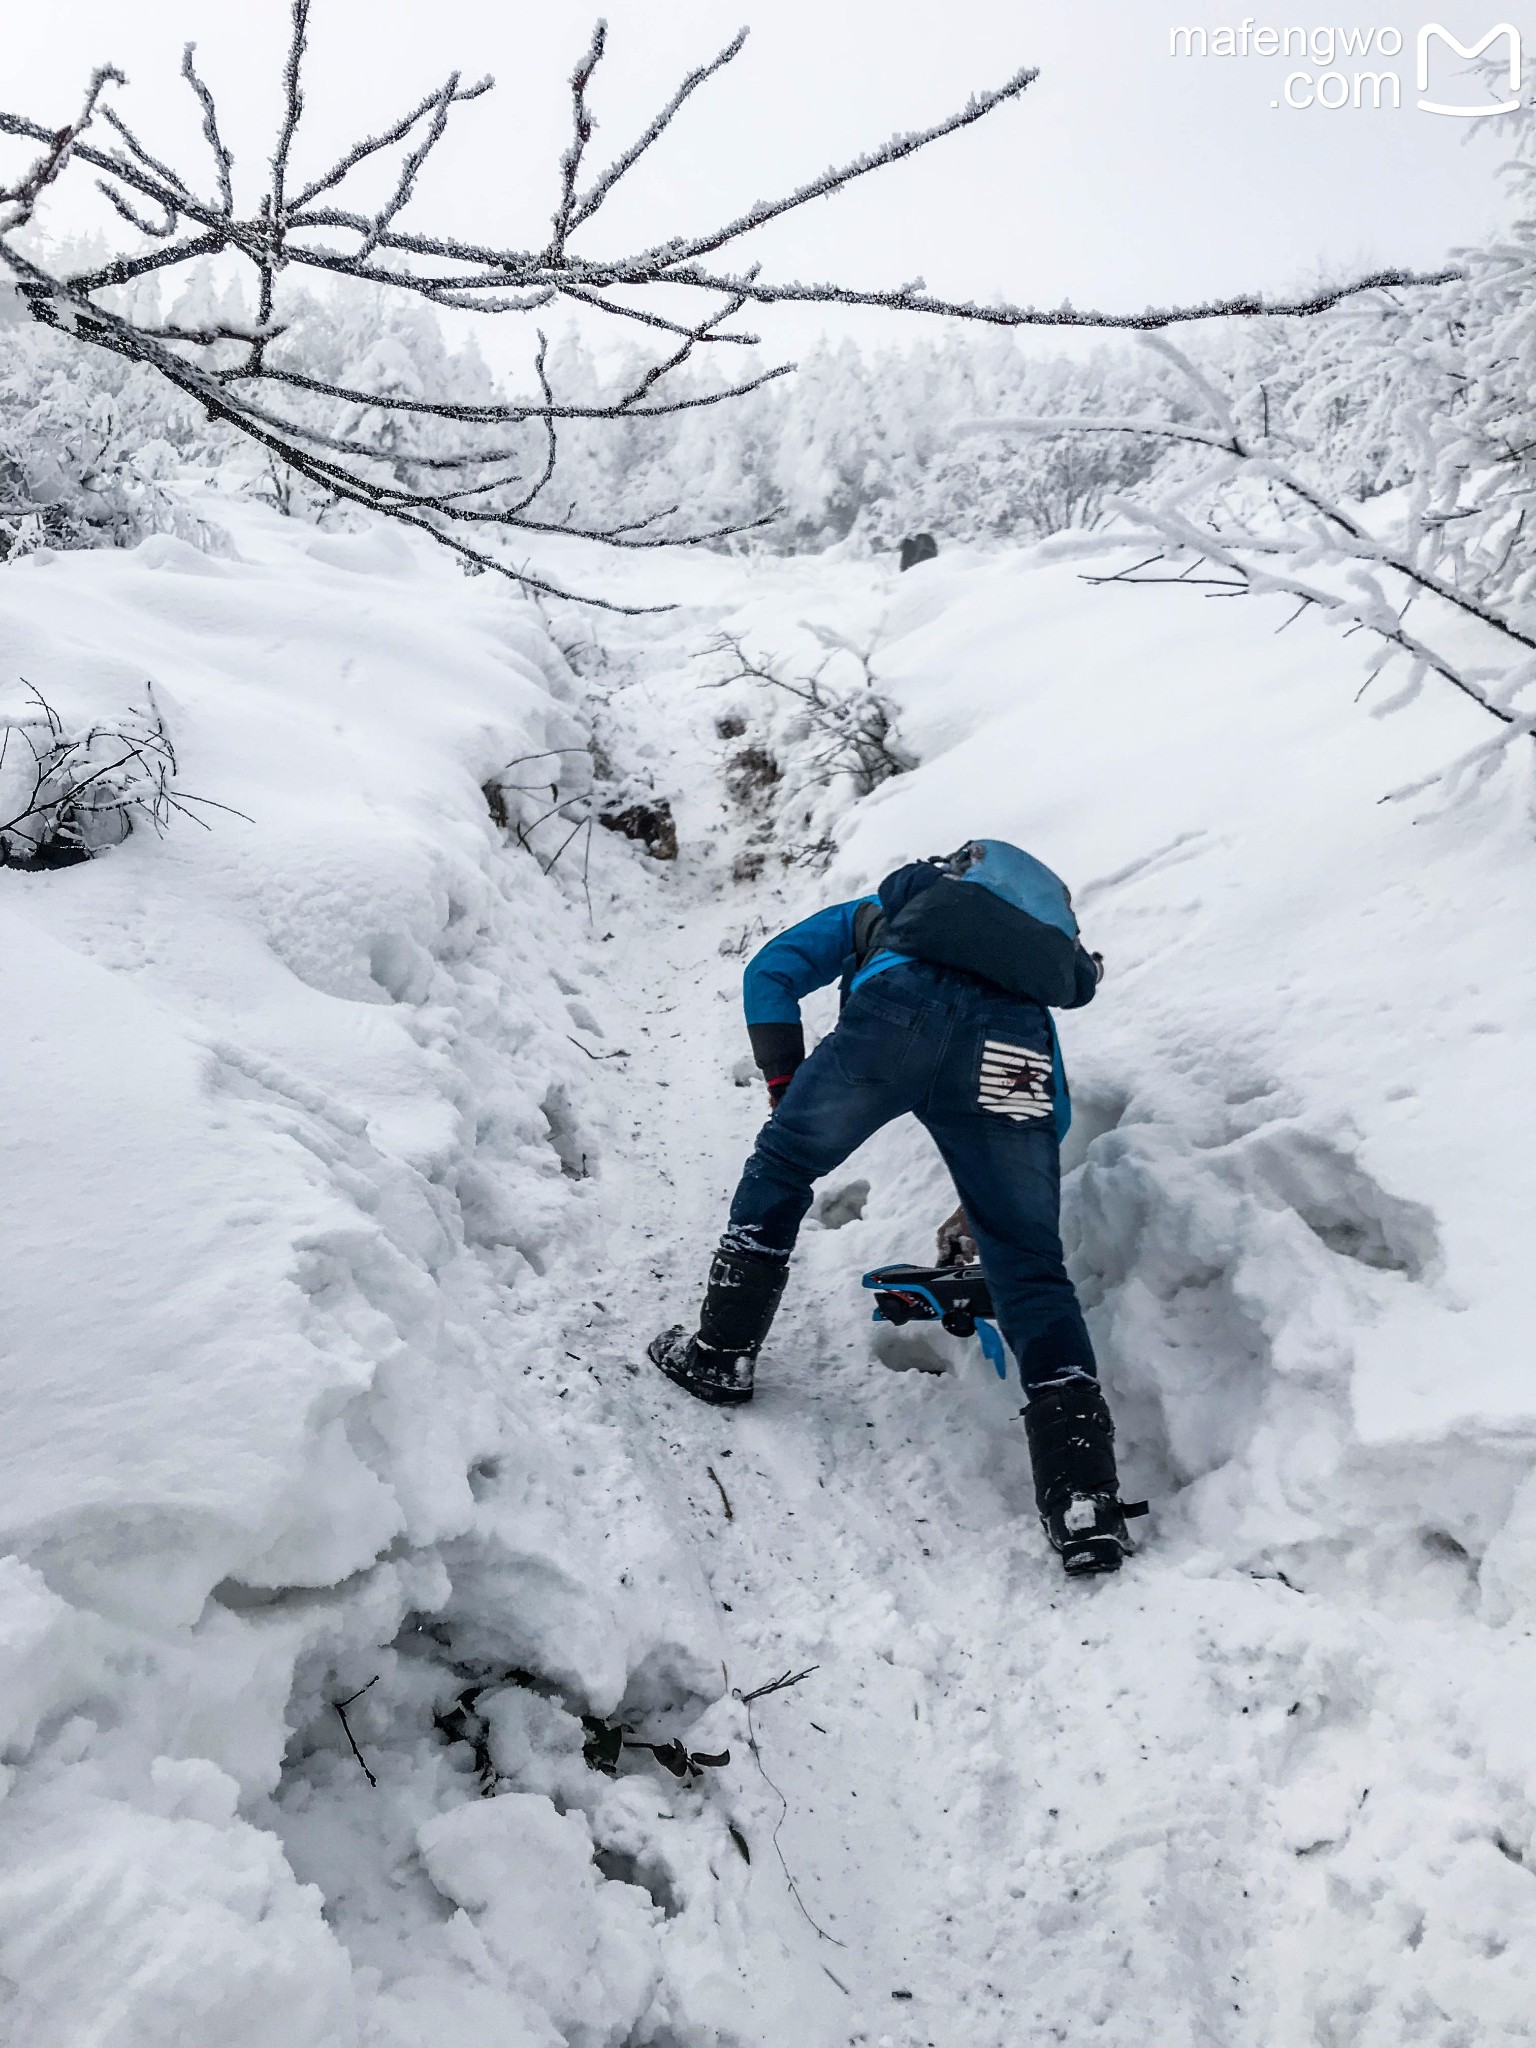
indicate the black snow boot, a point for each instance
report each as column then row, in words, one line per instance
column 717, row 1364
column 1077, row 1490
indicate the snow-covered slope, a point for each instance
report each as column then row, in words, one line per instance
column 290, row 1134
column 350, row 1159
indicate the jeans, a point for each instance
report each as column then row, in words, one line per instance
column 972, row 1065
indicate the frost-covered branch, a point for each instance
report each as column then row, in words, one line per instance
column 22, row 197
column 246, row 371
column 1439, row 578
column 592, row 199
column 67, row 794
column 851, row 729
column 913, row 298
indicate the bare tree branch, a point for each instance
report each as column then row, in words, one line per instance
column 913, row 299
column 670, row 254
column 593, row 198
column 223, row 162
column 1295, row 540
column 489, row 415
column 406, row 185
column 157, row 232
column 581, row 135
column 498, row 482
column 61, row 141
column 151, row 163
column 371, row 144
column 644, row 316
column 293, row 108
column 1351, row 538
column 273, row 210
column 124, row 269
column 552, row 449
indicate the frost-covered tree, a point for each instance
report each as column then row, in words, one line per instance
column 1377, row 466
column 88, row 449
column 863, row 448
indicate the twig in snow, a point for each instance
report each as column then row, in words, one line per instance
column 586, row 884
column 853, row 724
column 73, row 798
column 341, row 1707
column 620, row 1053
column 757, row 1757
column 725, row 1499
column 782, row 1684
column 548, row 754
column 552, row 862
column 496, row 791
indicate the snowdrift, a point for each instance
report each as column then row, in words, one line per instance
column 289, row 1113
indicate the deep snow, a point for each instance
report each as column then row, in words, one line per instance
column 349, row 1162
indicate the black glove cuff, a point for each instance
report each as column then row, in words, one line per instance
column 777, row 1048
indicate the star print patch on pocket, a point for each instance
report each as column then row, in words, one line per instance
column 1015, row 1081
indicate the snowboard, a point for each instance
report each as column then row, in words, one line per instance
column 955, row 1296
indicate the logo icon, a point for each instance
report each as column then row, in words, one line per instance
column 1507, row 31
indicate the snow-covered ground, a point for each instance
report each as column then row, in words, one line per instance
column 349, row 1161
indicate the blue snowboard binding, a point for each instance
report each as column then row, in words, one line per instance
column 955, row 1296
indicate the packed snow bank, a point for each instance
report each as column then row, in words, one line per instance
column 291, row 1127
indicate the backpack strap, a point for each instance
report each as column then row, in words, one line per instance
column 868, row 938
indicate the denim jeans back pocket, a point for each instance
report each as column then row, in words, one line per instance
column 874, row 1038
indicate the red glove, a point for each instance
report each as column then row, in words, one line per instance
column 776, row 1088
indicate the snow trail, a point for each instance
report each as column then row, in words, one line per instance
column 984, row 1807
column 1194, row 1804
column 374, row 1159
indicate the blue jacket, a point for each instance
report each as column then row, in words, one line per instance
column 1007, row 919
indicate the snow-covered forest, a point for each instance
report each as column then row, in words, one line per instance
column 389, row 1657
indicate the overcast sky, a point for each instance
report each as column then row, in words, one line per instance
column 1124, row 175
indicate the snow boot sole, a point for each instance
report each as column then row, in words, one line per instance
column 722, row 1378
column 1089, row 1535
